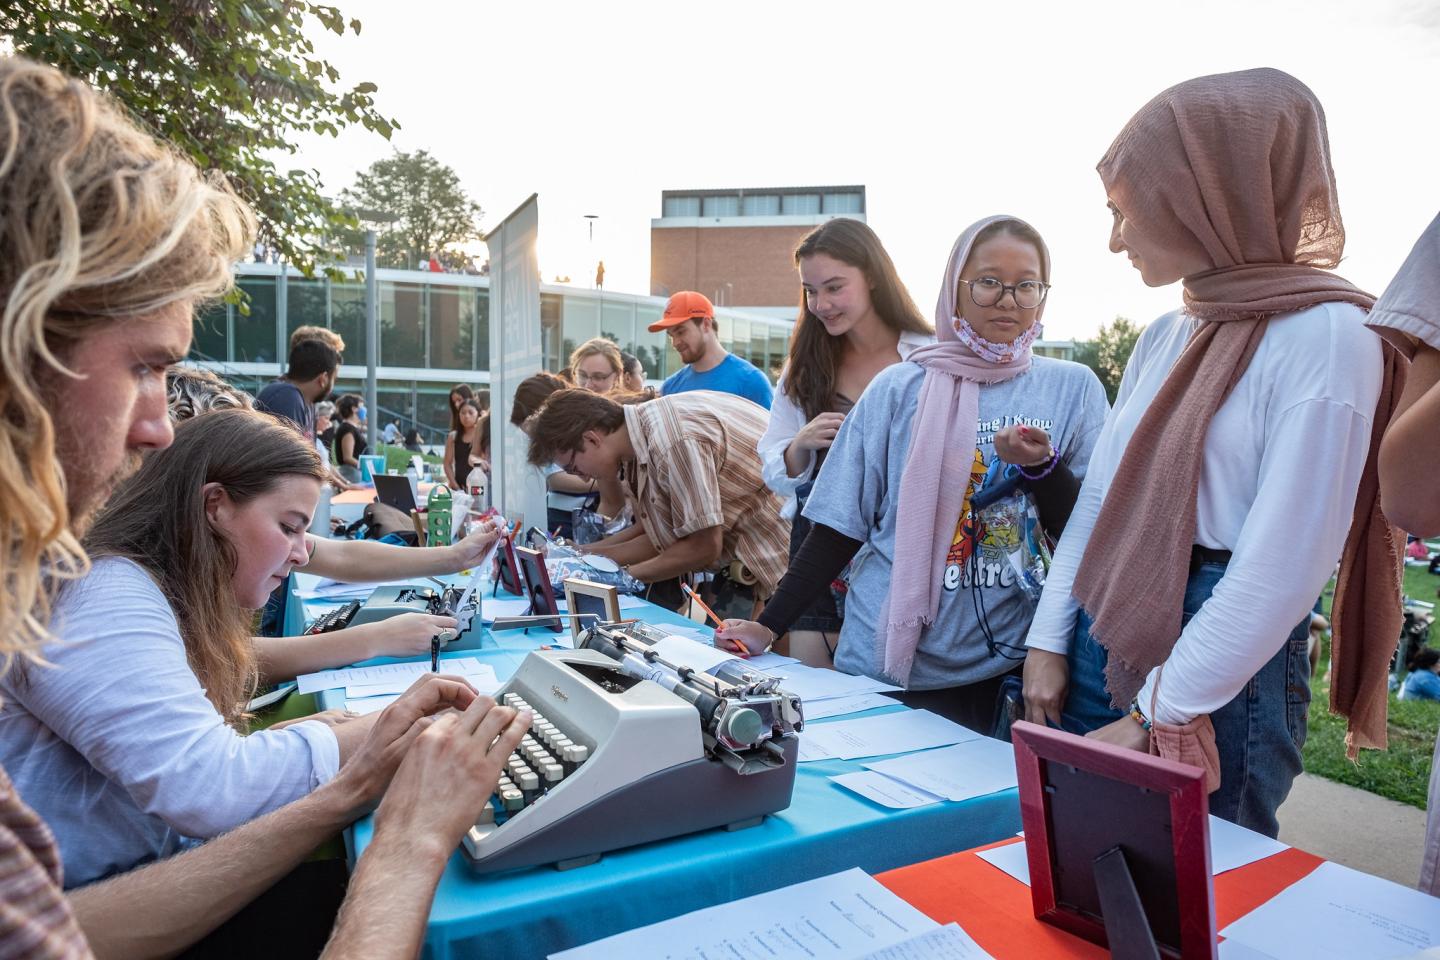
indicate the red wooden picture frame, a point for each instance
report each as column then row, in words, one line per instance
column 506, row 574
column 1037, row 747
column 537, row 586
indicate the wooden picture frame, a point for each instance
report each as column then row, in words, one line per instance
column 1081, row 799
column 585, row 596
column 537, row 586
column 506, row 572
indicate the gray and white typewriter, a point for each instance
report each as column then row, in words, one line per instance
column 630, row 744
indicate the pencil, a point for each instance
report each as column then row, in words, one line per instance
column 742, row 652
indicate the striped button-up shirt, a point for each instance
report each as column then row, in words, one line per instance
column 697, row 466
column 35, row 918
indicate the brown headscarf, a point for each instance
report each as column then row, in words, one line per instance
column 1232, row 169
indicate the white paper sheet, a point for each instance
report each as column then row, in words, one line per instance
column 974, row 768
column 481, row 676
column 1337, row 913
column 840, row 917
column 1011, row 858
column 1231, row 846
column 772, row 663
column 949, row 942
column 494, row 607
column 899, row 732
column 684, row 651
column 386, row 673
column 839, row 706
column 332, row 590
column 884, row 791
column 629, row 601
column 817, row 683
column 370, row 704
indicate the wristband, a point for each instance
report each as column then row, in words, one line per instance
column 1050, row 465
column 1139, row 717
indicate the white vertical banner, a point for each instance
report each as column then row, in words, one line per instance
column 515, row 353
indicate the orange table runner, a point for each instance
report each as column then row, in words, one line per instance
column 995, row 908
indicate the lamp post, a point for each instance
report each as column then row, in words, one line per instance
column 590, row 219
column 372, row 322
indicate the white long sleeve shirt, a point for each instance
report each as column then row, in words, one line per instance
column 116, row 745
column 787, row 419
column 1281, row 464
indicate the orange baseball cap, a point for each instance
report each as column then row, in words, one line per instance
column 685, row 305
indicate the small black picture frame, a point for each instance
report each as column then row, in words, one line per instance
column 506, row 574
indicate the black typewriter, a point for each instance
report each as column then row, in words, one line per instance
column 337, row 619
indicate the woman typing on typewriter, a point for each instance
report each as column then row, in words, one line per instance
column 935, row 600
column 136, row 738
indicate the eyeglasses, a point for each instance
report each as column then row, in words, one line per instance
column 987, row 291
column 569, row 467
column 582, row 377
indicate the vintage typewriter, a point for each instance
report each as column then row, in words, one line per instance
column 627, row 746
column 391, row 600
column 337, row 619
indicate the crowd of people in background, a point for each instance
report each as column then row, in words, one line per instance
column 891, row 508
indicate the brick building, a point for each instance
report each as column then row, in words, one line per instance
column 737, row 246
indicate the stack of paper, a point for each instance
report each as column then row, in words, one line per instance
column 335, row 590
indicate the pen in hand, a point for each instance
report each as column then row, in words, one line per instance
column 444, row 636
column 740, row 651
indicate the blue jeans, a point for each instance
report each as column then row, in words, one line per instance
column 1259, row 732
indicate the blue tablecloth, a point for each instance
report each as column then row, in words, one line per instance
column 538, row 911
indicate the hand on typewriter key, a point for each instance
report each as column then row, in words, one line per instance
column 447, row 776
column 367, row 771
column 408, row 634
column 732, row 634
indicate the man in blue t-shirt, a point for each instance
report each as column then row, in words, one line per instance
column 690, row 322
column 309, row 378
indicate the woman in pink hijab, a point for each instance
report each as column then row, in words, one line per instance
column 935, row 603
column 1237, row 458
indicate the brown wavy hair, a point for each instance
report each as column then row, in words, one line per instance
column 814, row 358
column 102, row 223
column 157, row 520
column 463, row 389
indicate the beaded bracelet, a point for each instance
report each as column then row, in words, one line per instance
column 1139, row 717
column 1049, row 467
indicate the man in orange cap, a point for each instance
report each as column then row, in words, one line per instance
column 690, row 322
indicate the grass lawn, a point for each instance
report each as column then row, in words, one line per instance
column 1403, row 771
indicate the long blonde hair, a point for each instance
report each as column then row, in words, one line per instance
column 101, row 223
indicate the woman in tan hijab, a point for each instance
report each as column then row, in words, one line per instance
column 1239, row 453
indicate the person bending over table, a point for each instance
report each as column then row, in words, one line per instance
column 129, row 755
column 691, row 475
column 117, row 240
column 934, row 603
column 1176, row 615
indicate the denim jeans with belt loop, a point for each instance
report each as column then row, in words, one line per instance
column 1259, row 733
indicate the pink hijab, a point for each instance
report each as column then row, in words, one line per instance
column 937, row 466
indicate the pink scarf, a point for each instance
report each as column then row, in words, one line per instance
column 937, row 466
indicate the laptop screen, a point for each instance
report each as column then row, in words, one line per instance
column 394, row 490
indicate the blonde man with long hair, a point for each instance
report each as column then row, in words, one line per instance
column 109, row 241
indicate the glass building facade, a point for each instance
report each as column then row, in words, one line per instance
column 435, row 333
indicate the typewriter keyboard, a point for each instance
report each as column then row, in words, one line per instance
column 543, row 759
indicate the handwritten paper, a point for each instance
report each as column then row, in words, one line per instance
column 845, row 916
column 949, row 942
column 1337, row 913
column 817, row 683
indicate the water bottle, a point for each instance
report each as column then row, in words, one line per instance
column 475, row 485
column 320, row 522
